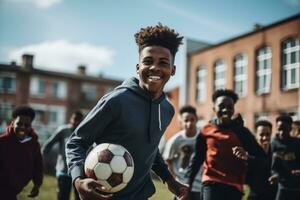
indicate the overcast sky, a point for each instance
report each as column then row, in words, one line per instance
column 63, row 34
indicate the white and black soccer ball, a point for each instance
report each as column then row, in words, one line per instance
column 112, row 165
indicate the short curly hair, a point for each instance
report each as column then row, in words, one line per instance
column 263, row 122
column 23, row 111
column 284, row 117
column 159, row 35
column 188, row 109
column 225, row 92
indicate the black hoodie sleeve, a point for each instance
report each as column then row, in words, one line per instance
column 160, row 167
column 197, row 159
column 257, row 156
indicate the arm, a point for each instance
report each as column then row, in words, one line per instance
column 91, row 129
column 169, row 153
column 37, row 173
column 51, row 141
column 160, row 168
column 197, row 159
column 250, row 152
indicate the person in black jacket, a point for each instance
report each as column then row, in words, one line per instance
column 286, row 160
column 262, row 184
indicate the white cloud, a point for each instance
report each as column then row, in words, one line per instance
column 61, row 55
column 39, row 3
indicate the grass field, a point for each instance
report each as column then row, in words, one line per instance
column 48, row 191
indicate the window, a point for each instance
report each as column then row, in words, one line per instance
column 263, row 70
column 261, row 116
column 290, row 63
column 5, row 115
column 201, row 84
column 37, row 87
column 240, row 74
column 7, row 83
column 89, row 91
column 59, row 89
column 5, row 110
column 57, row 115
column 220, row 75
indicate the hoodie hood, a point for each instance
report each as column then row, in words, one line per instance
column 133, row 85
column 11, row 133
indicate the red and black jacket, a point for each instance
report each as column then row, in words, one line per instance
column 214, row 150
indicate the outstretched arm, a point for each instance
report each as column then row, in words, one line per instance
column 197, row 159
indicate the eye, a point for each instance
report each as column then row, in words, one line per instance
column 147, row 61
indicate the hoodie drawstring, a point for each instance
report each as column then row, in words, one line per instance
column 159, row 117
column 149, row 120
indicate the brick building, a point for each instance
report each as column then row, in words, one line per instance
column 53, row 95
column 262, row 66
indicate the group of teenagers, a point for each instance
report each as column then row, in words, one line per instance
column 217, row 158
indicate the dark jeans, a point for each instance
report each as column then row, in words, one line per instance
column 64, row 188
column 219, row 191
column 283, row 194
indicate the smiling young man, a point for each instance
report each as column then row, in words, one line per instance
column 226, row 148
column 262, row 184
column 20, row 156
column 286, row 160
column 134, row 115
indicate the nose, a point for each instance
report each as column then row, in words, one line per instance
column 154, row 67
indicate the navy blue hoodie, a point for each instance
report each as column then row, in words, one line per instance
column 129, row 117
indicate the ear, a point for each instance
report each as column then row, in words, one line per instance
column 173, row 70
column 137, row 67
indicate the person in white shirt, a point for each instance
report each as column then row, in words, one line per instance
column 180, row 147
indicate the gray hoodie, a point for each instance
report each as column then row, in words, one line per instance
column 126, row 116
column 60, row 137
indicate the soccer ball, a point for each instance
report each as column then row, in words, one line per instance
column 110, row 164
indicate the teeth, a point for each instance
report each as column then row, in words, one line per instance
column 154, row 77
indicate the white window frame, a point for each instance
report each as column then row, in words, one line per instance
column 89, row 91
column 12, row 89
column 61, row 92
column 263, row 70
column 289, row 66
column 35, row 86
column 240, row 64
column 219, row 68
column 201, row 84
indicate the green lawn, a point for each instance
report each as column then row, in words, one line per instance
column 48, row 191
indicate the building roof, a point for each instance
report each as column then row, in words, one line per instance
column 194, row 45
column 79, row 77
column 259, row 29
